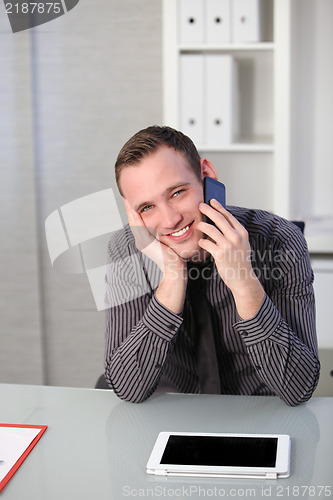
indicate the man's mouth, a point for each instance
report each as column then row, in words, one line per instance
column 181, row 232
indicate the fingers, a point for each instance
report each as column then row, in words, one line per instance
column 134, row 219
column 142, row 236
column 224, row 220
column 146, row 240
column 209, row 246
column 211, row 231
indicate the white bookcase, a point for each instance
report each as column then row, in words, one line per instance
column 264, row 107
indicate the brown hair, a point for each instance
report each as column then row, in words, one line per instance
column 148, row 141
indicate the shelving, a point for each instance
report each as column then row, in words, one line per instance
column 227, row 47
column 283, row 144
column 240, row 147
column 261, row 129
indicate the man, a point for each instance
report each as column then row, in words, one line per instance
column 255, row 280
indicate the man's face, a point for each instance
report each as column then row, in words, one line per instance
column 164, row 190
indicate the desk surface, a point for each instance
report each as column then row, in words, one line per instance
column 97, row 446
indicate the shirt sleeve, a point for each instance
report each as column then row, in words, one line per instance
column 281, row 338
column 140, row 331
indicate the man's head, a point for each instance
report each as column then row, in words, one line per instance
column 159, row 173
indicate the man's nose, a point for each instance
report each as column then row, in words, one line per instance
column 170, row 217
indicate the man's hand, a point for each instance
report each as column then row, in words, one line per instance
column 228, row 243
column 171, row 290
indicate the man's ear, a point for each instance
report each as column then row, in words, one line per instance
column 207, row 169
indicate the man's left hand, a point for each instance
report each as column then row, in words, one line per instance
column 228, row 243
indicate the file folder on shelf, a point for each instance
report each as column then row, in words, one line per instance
column 217, row 21
column 209, row 98
column 220, row 21
column 192, row 96
column 246, row 21
column 16, row 442
column 191, row 21
column 221, row 99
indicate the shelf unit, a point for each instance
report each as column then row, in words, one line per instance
column 269, row 64
column 227, row 47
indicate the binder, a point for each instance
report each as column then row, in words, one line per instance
column 191, row 21
column 16, row 442
column 221, row 99
column 246, row 25
column 217, row 21
column 192, row 96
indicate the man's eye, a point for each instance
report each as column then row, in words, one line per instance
column 177, row 193
column 146, row 208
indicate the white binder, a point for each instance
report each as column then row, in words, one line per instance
column 191, row 21
column 221, row 99
column 192, row 96
column 217, row 21
column 246, row 25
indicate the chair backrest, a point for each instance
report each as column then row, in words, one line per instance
column 102, row 383
column 300, row 224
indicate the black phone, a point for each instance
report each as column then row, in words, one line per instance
column 213, row 189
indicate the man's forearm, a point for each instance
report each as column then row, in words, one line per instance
column 171, row 293
column 285, row 363
column 133, row 361
column 249, row 299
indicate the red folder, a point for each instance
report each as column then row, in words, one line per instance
column 24, row 455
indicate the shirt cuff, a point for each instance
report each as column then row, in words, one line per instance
column 262, row 325
column 160, row 320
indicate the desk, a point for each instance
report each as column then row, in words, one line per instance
column 97, row 446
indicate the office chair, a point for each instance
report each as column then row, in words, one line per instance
column 300, row 224
column 102, row 383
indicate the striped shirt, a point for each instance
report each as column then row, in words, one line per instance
column 149, row 348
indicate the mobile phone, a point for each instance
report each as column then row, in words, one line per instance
column 213, row 189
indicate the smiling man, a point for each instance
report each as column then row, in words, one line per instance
column 195, row 307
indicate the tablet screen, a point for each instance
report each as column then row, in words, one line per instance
column 220, row 451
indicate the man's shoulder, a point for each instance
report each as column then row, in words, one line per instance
column 122, row 243
column 128, row 265
column 269, row 226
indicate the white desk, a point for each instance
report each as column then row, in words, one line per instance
column 96, row 446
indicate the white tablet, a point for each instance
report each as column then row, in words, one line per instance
column 264, row 456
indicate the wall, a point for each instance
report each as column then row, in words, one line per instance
column 20, row 322
column 312, row 103
column 312, row 157
column 72, row 91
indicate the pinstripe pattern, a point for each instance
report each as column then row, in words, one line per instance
column 275, row 353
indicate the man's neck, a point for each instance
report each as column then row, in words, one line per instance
column 200, row 259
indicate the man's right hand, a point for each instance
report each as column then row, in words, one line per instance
column 171, row 291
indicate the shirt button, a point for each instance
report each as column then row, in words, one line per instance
column 258, row 367
column 245, row 333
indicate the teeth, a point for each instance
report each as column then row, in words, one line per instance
column 182, row 231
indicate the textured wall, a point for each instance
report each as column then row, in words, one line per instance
column 74, row 90
column 20, row 332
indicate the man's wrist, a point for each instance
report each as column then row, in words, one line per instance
column 171, row 292
column 249, row 299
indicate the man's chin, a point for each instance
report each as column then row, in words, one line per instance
column 193, row 255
